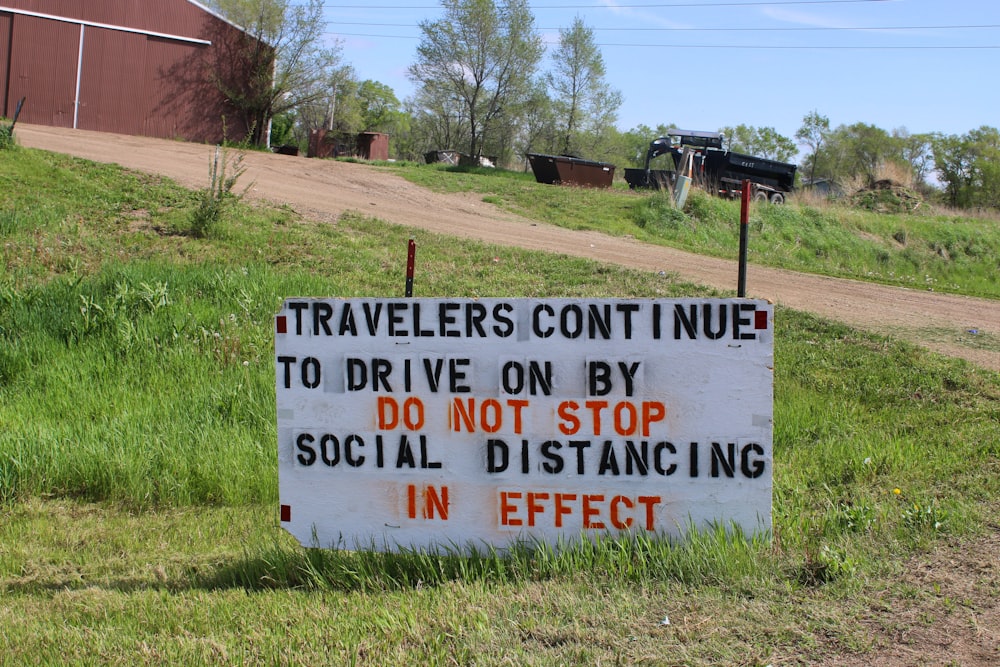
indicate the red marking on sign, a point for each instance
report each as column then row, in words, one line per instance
column 281, row 324
column 286, row 513
column 760, row 319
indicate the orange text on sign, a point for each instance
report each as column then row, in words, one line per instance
column 489, row 415
column 625, row 417
column 590, row 511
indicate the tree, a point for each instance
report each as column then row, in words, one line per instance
column 953, row 160
column 338, row 108
column 585, row 105
column 381, row 111
column 379, row 106
column 537, row 131
column 632, row 146
column 859, row 151
column 915, row 150
column 480, row 56
column 762, row 142
column 812, row 134
column 968, row 167
column 291, row 65
column 438, row 118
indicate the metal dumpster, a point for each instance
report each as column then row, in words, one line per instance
column 568, row 170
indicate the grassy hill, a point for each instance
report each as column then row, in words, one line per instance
column 138, row 473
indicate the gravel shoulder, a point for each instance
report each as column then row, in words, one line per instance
column 324, row 189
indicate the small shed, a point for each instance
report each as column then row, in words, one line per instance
column 824, row 187
column 373, row 146
column 364, row 145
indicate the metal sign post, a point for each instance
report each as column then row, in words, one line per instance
column 741, row 288
column 411, row 256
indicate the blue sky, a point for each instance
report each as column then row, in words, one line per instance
column 923, row 65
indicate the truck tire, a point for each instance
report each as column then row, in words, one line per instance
column 777, row 198
column 760, row 196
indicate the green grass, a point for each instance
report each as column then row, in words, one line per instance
column 954, row 253
column 138, row 471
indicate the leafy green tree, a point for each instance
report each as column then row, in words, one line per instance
column 585, row 106
column 989, row 182
column 538, row 129
column 371, row 106
column 404, row 142
column 812, row 134
column 762, row 142
column 283, row 129
column 967, row 165
column 379, row 107
column 863, row 153
column 481, row 56
column 915, row 152
column 859, row 151
column 438, row 121
column 292, row 66
column 953, row 160
column 338, row 109
column 633, row 145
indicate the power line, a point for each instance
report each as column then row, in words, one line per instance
column 786, row 29
column 649, row 6
column 921, row 47
column 810, row 47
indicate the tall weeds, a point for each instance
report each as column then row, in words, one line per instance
column 216, row 199
column 6, row 137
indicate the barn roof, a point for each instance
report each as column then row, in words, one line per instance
column 217, row 15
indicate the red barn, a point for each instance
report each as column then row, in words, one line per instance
column 141, row 67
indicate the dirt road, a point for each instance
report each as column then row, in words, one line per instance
column 323, row 189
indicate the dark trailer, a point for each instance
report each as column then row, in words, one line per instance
column 713, row 168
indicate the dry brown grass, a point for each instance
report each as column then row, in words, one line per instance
column 812, row 197
column 898, row 174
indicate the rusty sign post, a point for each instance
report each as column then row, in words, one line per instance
column 741, row 287
column 411, row 258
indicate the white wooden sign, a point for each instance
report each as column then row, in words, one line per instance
column 423, row 423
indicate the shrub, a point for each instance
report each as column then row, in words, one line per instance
column 216, row 198
column 6, row 137
column 657, row 214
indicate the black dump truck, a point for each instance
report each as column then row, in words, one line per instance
column 713, row 168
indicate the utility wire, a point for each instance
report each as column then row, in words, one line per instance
column 811, row 47
column 689, row 29
column 787, row 29
column 650, row 6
